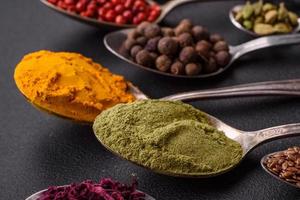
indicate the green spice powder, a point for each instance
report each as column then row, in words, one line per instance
column 168, row 137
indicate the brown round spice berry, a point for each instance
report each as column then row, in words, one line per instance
column 163, row 63
column 187, row 54
column 185, row 39
column 152, row 44
column 222, row 58
column 167, row 32
column 133, row 34
column 141, row 28
column 192, row 69
column 144, row 58
column 152, row 31
column 216, row 38
column 177, row 68
column 184, row 26
column 200, row 33
column 134, row 50
column 211, row 66
column 167, row 46
column 203, row 48
column 129, row 43
column 141, row 40
column 221, row 46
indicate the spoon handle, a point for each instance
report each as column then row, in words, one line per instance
column 277, row 132
column 285, row 87
column 264, row 42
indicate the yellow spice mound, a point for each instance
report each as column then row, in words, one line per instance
column 69, row 84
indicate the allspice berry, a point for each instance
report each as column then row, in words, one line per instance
column 129, row 43
column 215, row 38
column 221, row 46
column 211, row 66
column 141, row 27
column 222, row 58
column 200, row 33
column 133, row 34
column 185, row 39
column 187, row 54
column 185, row 26
column 134, row 50
column 163, row 63
column 152, row 31
column 144, row 58
column 167, row 46
column 193, row 69
column 167, row 32
column 203, row 48
column 152, row 44
column 177, row 68
column 141, row 40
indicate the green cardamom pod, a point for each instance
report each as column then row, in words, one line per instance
column 248, row 24
column 247, row 10
column 282, row 12
column 268, row 6
column 293, row 17
column 239, row 16
column 258, row 19
column 263, row 29
column 282, row 28
column 271, row 16
column 258, row 7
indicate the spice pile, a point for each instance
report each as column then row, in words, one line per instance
column 69, row 84
column 167, row 136
column 286, row 165
column 267, row 18
column 107, row 189
column 116, row 11
column 185, row 50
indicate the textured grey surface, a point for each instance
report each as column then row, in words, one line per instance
column 37, row 150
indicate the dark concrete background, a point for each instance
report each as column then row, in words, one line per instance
column 38, row 150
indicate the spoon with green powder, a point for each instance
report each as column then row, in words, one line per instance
column 176, row 139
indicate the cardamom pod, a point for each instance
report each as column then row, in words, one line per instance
column 259, row 19
column 263, row 29
column 293, row 17
column 258, row 7
column 239, row 16
column 282, row 28
column 247, row 10
column 268, row 7
column 248, row 24
column 271, row 16
column 282, row 12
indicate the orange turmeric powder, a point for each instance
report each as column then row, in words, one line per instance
column 69, row 84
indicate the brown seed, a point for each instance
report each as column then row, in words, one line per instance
column 152, row 31
column 163, row 63
column 185, row 39
column 184, row 26
column 129, row 43
column 141, row 40
column 167, row 46
column 167, row 32
column 134, row 50
column 285, row 165
column 215, row 38
column 187, row 55
column 144, row 58
column 192, row 69
column 200, row 33
column 141, row 28
column 152, row 44
column 211, row 66
column 221, row 46
column 177, row 68
column 203, row 48
column 133, row 34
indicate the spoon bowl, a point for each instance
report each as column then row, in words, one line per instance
column 165, row 9
column 272, row 174
column 237, row 8
column 114, row 43
column 39, row 194
column 247, row 140
column 282, row 88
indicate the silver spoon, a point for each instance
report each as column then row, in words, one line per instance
column 114, row 41
column 237, row 8
column 282, row 88
column 165, row 9
column 247, row 140
column 39, row 194
column 272, row 174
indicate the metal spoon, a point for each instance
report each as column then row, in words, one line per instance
column 272, row 174
column 282, row 88
column 237, row 8
column 247, row 140
column 165, row 9
column 114, row 41
column 39, row 194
